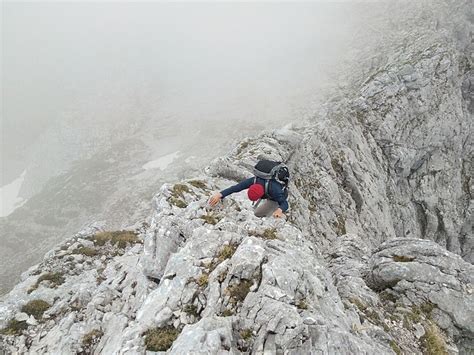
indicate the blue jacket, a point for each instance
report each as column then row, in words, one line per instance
column 275, row 190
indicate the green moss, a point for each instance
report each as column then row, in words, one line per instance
column 179, row 190
column 302, row 304
column 227, row 313
column 226, row 252
column 14, row 327
column 55, row 278
column 35, row 308
column 160, row 339
column 239, row 291
column 86, row 251
column 396, row 349
column 210, row 218
column 178, row 202
column 191, row 309
column 402, row 258
column 269, row 234
column 203, row 280
column 246, row 334
column 92, row 338
column 118, row 238
column 433, row 342
column 198, row 184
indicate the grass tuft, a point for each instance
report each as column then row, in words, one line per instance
column 199, row 184
column 160, row 339
column 396, row 349
column 246, row 334
column 210, row 218
column 179, row 190
column 302, row 304
column 269, row 234
column 117, row 238
column 191, row 309
column 227, row 313
column 239, row 291
column 203, row 280
column 55, row 278
column 14, row 327
column 92, row 338
column 226, row 252
column 402, row 258
column 433, row 341
column 178, row 202
column 36, row 308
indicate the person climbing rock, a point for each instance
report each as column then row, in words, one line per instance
column 270, row 183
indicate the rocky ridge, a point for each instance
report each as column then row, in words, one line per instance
column 374, row 257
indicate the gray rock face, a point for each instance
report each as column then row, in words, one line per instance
column 373, row 257
column 420, row 272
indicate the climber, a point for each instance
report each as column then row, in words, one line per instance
column 270, row 183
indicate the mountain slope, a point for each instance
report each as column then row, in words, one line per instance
column 374, row 257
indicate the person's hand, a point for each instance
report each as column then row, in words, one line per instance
column 214, row 200
column 278, row 213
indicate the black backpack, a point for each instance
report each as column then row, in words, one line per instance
column 268, row 170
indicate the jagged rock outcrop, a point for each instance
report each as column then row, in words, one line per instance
column 374, row 257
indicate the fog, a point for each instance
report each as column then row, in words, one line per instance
column 108, row 63
column 102, row 101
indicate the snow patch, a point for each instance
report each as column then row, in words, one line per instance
column 162, row 162
column 9, row 198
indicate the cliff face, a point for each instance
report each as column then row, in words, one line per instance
column 374, row 257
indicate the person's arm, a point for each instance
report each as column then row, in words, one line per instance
column 237, row 188
column 214, row 200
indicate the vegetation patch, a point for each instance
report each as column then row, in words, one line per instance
column 268, row 234
column 179, row 190
column 302, row 304
column 91, row 339
column 191, row 309
column 36, row 308
column 396, row 349
column 117, row 238
column 227, row 313
column 55, row 278
column 209, row 218
column 177, row 202
column 160, row 339
column 246, row 334
column 199, row 184
column 14, row 327
column 226, row 252
column 402, row 258
column 239, row 291
column 433, row 341
column 86, row 251
column 203, row 280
